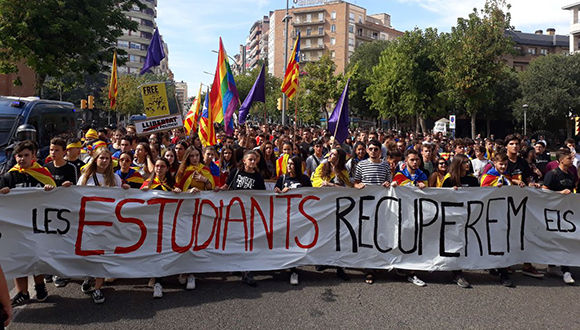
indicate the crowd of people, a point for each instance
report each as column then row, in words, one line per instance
column 280, row 158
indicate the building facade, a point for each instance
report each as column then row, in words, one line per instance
column 256, row 47
column 136, row 43
column 333, row 27
column 529, row 46
column 181, row 94
column 574, row 37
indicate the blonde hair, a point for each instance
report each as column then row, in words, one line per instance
column 91, row 169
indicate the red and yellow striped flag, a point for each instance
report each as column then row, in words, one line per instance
column 290, row 83
column 113, row 83
column 192, row 116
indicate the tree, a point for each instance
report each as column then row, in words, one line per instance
column 551, row 89
column 318, row 87
column 404, row 82
column 472, row 62
column 55, row 37
column 360, row 69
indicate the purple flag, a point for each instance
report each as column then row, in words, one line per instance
column 257, row 94
column 155, row 53
column 338, row 122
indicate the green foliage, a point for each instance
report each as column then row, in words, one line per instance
column 359, row 69
column 551, row 88
column 319, row 87
column 404, row 83
column 55, row 37
column 129, row 101
column 471, row 62
column 244, row 83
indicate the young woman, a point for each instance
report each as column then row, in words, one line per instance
column 155, row 148
column 127, row 174
column 294, row 178
column 227, row 162
column 459, row 176
column 332, row 172
column 160, row 179
column 143, row 160
column 171, row 156
column 359, row 152
column 436, row 179
column 209, row 155
column 99, row 172
column 269, row 157
column 192, row 175
column 245, row 177
column 180, row 148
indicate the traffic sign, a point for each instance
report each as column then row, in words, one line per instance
column 452, row 122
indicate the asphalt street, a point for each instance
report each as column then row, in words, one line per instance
column 321, row 300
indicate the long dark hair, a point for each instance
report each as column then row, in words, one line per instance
column 169, row 179
column 232, row 163
column 297, row 160
column 186, row 162
column 456, row 168
column 339, row 167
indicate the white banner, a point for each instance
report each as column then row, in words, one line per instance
column 119, row 233
column 157, row 124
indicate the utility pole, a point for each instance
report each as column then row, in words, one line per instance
column 286, row 18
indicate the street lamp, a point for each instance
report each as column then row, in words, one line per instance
column 525, row 106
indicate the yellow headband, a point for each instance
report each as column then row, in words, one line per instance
column 74, row 145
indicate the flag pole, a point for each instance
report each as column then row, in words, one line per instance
column 340, row 112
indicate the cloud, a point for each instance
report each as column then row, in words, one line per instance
column 527, row 15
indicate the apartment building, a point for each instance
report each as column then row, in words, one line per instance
column 256, row 47
column 135, row 43
column 530, row 46
column 333, row 27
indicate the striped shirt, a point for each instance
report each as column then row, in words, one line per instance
column 371, row 173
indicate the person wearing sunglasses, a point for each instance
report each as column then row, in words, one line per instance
column 438, row 175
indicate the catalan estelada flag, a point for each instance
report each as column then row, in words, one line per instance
column 41, row 174
column 113, row 84
column 224, row 99
column 192, row 116
column 492, row 178
column 404, row 178
column 290, row 83
column 206, row 130
column 282, row 164
column 156, row 184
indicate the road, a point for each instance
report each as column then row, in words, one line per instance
column 320, row 301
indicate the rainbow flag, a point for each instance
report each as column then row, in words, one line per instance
column 224, row 94
column 113, row 84
column 206, row 130
column 192, row 116
column 290, row 83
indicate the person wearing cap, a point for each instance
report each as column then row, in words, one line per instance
column 73, row 152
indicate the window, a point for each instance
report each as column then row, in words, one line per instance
column 308, row 31
column 147, row 22
column 333, row 41
column 146, row 35
column 375, row 35
column 135, row 58
column 543, row 51
column 296, row 32
column 360, row 19
column 333, row 28
column 320, row 30
column 297, row 19
column 351, row 28
column 351, row 17
column 332, row 54
column 320, row 42
column 320, row 17
column 350, row 41
column 307, row 43
column 308, row 18
column 122, row 43
column 532, row 51
column 333, row 15
column 135, row 45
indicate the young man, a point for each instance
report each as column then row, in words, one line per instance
column 126, row 145
column 560, row 180
column 315, row 159
column 27, row 173
column 479, row 162
column 73, row 152
column 372, row 171
column 542, row 157
column 496, row 177
column 427, row 158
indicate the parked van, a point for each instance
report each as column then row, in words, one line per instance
column 49, row 118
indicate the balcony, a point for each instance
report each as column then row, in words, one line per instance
column 312, row 35
column 312, row 47
column 575, row 28
column 307, row 23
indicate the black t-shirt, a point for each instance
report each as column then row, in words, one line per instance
column 241, row 180
column 558, row 180
column 466, row 181
column 78, row 164
column 541, row 161
column 19, row 180
column 67, row 172
column 286, row 181
column 520, row 170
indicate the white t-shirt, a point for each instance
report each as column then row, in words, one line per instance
column 100, row 179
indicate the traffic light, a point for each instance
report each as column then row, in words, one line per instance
column 91, row 102
column 279, row 104
column 576, row 125
column 83, row 104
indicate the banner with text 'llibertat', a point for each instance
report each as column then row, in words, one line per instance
column 129, row 233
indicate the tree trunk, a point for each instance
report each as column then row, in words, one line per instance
column 488, row 128
column 417, row 123
column 422, row 124
column 40, row 79
column 473, row 116
column 569, row 128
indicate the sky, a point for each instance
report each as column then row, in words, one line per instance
column 191, row 28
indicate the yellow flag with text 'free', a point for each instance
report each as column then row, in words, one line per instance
column 155, row 99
